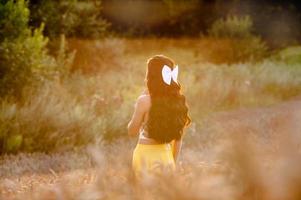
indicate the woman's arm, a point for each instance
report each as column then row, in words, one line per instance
column 176, row 145
column 137, row 118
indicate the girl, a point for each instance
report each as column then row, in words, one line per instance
column 160, row 116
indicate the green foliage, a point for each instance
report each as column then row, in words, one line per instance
column 13, row 143
column 232, row 27
column 73, row 18
column 234, row 42
column 14, row 18
column 64, row 57
column 289, row 55
column 24, row 60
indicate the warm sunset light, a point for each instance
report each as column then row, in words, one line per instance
column 150, row 99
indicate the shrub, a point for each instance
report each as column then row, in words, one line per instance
column 23, row 55
column 232, row 27
column 63, row 55
column 231, row 41
column 289, row 55
column 73, row 18
column 14, row 18
column 24, row 63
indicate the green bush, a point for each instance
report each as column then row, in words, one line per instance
column 13, row 19
column 232, row 27
column 23, row 55
column 24, row 62
column 289, row 55
column 73, row 18
column 235, row 41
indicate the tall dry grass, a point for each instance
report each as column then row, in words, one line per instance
column 239, row 146
column 255, row 155
column 96, row 55
column 81, row 109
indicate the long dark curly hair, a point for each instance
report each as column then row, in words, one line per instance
column 168, row 114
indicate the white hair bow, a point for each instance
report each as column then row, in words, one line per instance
column 169, row 74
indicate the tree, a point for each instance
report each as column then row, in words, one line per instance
column 23, row 55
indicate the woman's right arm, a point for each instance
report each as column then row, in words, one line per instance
column 137, row 117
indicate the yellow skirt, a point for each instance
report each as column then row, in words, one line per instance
column 153, row 158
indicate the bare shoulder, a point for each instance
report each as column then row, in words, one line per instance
column 144, row 101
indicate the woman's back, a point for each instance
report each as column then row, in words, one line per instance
column 144, row 137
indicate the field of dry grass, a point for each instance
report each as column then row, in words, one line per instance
column 255, row 155
column 243, row 142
